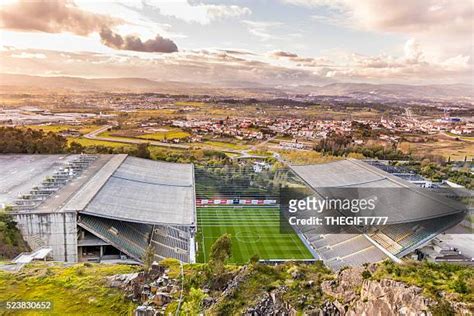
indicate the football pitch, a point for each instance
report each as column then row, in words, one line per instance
column 254, row 231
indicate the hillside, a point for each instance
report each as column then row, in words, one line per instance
column 83, row 84
column 253, row 289
column 72, row 290
column 362, row 91
column 11, row 83
column 392, row 92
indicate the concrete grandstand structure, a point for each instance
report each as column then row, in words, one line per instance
column 408, row 227
column 101, row 207
column 112, row 207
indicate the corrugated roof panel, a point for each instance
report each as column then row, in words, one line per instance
column 147, row 191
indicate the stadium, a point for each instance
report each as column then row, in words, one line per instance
column 104, row 207
column 112, row 207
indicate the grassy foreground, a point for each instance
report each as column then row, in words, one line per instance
column 80, row 289
column 75, row 290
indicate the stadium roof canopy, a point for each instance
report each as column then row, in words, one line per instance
column 397, row 199
column 139, row 190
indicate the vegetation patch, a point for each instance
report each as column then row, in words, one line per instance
column 165, row 135
column 299, row 157
column 73, row 290
column 83, row 129
column 226, row 145
column 11, row 241
column 434, row 278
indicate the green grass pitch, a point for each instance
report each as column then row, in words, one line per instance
column 254, row 231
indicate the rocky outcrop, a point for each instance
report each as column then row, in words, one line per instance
column 388, row 297
column 345, row 288
column 352, row 292
column 153, row 291
column 272, row 304
column 354, row 296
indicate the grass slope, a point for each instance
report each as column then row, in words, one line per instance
column 75, row 290
column 254, row 231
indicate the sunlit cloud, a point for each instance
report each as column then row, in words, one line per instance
column 58, row 16
column 198, row 12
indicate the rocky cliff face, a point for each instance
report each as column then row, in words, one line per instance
column 349, row 294
column 356, row 296
column 352, row 292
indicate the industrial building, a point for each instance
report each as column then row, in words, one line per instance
column 101, row 207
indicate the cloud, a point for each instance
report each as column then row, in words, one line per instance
column 134, row 43
column 197, row 12
column 279, row 53
column 261, row 29
column 29, row 55
column 428, row 22
column 53, row 16
column 300, row 61
column 219, row 67
column 237, row 51
column 57, row 16
column 213, row 67
column 421, row 16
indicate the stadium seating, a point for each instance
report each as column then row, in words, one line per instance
column 122, row 235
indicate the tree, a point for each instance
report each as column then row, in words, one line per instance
column 254, row 259
column 221, row 251
column 148, row 258
column 193, row 305
column 142, row 151
column 76, row 148
column 29, row 141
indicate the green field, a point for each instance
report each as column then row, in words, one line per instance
column 170, row 134
column 93, row 142
column 225, row 145
column 254, row 231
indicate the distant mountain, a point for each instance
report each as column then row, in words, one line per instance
column 396, row 91
column 24, row 83
column 83, row 84
column 357, row 91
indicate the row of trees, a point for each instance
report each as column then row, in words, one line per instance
column 28, row 141
column 342, row 145
column 438, row 172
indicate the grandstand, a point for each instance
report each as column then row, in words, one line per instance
column 413, row 220
column 112, row 207
column 102, row 207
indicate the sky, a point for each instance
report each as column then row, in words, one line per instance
column 241, row 42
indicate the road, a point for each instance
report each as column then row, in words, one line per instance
column 95, row 135
column 457, row 137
